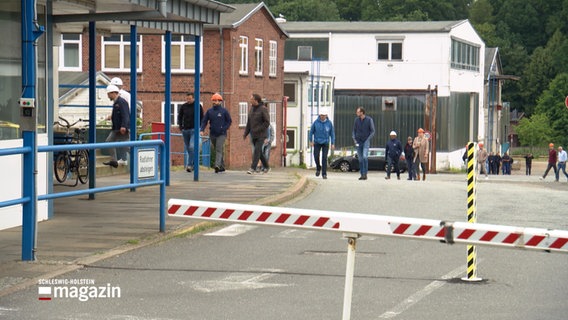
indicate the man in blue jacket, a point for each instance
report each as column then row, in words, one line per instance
column 363, row 132
column 393, row 150
column 219, row 122
column 320, row 137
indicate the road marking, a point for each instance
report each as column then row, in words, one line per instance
column 416, row 297
column 232, row 230
column 293, row 234
column 240, row 281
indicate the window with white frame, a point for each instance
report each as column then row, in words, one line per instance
column 70, row 52
column 258, row 56
column 317, row 93
column 389, row 48
column 183, row 54
column 243, row 114
column 243, row 47
column 116, row 53
column 273, row 59
column 465, row 56
column 291, row 138
column 173, row 112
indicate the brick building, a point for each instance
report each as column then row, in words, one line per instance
column 242, row 55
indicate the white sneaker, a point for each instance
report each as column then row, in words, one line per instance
column 122, row 162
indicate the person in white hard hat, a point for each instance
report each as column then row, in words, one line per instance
column 120, row 123
column 123, row 93
column 393, row 150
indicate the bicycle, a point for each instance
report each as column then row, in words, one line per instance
column 75, row 162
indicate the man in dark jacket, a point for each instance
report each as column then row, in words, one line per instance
column 186, row 121
column 219, row 122
column 393, row 150
column 120, row 123
column 257, row 125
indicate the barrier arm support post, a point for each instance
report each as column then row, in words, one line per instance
column 471, row 274
column 349, row 273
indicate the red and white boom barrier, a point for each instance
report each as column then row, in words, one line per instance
column 368, row 224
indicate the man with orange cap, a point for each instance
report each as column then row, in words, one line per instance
column 421, row 151
column 219, row 122
column 552, row 157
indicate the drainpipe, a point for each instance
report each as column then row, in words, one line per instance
column 222, row 62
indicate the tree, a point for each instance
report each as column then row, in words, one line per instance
column 307, row 10
column 551, row 104
column 534, row 131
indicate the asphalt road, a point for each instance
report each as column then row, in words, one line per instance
column 245, row 272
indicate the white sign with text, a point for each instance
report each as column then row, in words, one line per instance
column 146, row 163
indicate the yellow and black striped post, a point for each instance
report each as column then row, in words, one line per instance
column 471, row 212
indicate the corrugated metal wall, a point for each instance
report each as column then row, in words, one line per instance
column 452, row 121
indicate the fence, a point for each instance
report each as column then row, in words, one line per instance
column 29, row 191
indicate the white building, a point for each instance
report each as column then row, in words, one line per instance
column 403, row 73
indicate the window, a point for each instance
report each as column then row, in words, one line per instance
column 389, row 50
column 290, row 138
column 70, row 52
column 273, row 59
column 116, row 53
column 258, row 56
column 389, row 103
column 317, row 93
column 183, row 54
column 243, row 46
column 173, row 112
column 290, row 92
column 327, row 94
column 319, row 48
column 272, row 114
column 305, row 53
column 243, row 114
column 465, row 56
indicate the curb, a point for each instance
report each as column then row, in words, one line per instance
column 291, row 193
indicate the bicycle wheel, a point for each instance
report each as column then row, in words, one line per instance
column 61, row 166
column 83, row 166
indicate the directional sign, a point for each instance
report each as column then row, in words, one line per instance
column 368, row 224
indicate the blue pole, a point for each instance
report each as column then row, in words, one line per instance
column 133, row 99
column 168, row 102
column 30, row 31
column 29, row 209
column 196, row 118
column 92, row 104
column 162, row 189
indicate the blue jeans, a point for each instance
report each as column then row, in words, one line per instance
column 188, row 141
column 410, row 166
column 363, row 155
column 561, row 166
column 324, row 148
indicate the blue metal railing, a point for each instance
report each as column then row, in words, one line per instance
column 29, row 196
column 205, row 154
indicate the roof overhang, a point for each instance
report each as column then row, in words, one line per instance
column 151, row 16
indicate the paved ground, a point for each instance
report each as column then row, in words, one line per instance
column 83, row 231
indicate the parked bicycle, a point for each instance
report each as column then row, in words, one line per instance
column 73, row 163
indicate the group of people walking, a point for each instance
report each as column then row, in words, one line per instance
column 322, row 138
column 555, row 158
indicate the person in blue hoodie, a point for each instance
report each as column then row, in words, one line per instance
column 393, row 150
column 320, row 137
column 219, row 121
